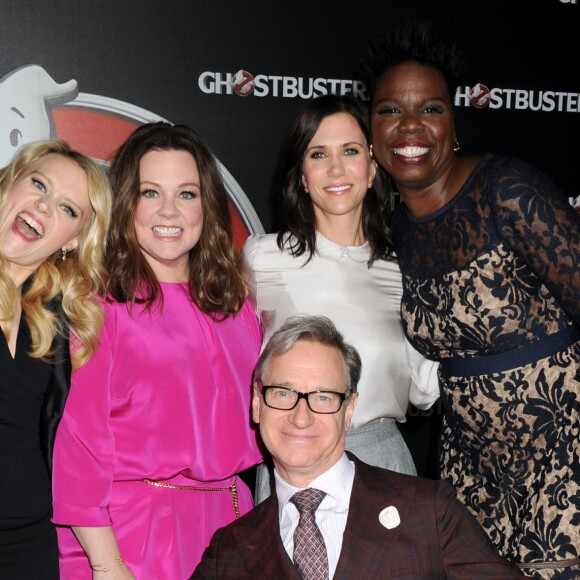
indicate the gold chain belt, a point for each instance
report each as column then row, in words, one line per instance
column 231, row 488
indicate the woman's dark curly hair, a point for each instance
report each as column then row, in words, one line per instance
column 416, row 41
column 298, row 231
column 216, row 283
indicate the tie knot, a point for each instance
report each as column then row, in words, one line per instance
column 307, row 500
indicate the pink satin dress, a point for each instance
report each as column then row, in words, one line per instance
column 165, row 398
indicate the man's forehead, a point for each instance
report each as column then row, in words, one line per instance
column 307, row 361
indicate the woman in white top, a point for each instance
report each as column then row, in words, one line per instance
column 333, row 257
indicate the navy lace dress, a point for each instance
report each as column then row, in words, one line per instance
column 492, row 290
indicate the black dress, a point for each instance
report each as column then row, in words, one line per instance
column 491, row 288
column 28, row 548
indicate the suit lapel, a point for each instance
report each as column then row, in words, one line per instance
column 261, row 546
column 366, row 542
column 366, row 546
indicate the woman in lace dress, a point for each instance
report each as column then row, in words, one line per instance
column 489, row 249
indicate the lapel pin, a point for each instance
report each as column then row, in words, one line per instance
column 389, row 517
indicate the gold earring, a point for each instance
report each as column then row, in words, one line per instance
column 456, row 146
column 64, row 252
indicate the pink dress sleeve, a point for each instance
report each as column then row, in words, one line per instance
column 85, row 446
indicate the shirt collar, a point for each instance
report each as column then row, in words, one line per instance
column 334, row 252
column 331, row 482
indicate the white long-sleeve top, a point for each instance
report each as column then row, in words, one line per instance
column 364, row 304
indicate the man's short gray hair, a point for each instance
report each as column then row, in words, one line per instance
column 319, row 329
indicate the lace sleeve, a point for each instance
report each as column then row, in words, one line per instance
column 535, row 218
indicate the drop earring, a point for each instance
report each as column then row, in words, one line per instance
column 456, row 146
column 371, row 151
column 64, row 253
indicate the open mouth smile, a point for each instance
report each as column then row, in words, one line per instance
column 338, row 188
column 167, row 232
column 411, row 151
column 26, row 224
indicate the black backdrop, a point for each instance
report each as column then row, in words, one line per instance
column 152, row 54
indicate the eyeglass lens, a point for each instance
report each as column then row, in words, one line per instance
column 286, row 399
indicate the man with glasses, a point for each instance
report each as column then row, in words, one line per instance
column 333, row 516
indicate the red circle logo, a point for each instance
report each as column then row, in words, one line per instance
column 479, row 96
column 33, row 106
column 243, row 83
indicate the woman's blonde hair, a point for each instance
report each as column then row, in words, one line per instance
column 79, row 280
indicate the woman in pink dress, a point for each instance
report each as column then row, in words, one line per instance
column 157, row 426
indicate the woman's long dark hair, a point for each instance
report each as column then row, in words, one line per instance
column 298, row 230
column 216, row 284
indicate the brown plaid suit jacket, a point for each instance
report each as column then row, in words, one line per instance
column 437, row 537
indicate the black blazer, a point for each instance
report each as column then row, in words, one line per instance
column 58, row 388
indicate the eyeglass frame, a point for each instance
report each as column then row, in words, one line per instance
column 343, row 397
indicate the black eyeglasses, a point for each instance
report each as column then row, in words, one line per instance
column 285, row 399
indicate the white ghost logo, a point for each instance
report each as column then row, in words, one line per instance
column 27, row 95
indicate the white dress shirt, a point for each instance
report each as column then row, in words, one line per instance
column 331, row 515
column 364, row 303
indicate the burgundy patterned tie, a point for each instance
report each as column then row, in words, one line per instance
column 309, row 549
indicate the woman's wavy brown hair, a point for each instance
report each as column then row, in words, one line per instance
column 216, row 285
column 79, row 281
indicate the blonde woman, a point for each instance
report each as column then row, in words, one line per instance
column 54, row 214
